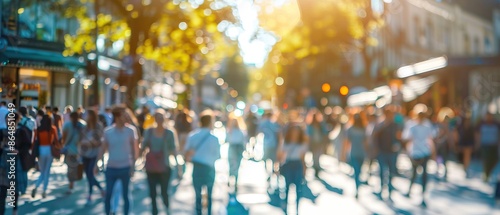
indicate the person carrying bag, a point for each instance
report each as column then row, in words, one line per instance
column 161, row 143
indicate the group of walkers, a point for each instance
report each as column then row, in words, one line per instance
column 117, row 138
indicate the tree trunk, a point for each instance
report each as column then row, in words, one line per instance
column 367, row 61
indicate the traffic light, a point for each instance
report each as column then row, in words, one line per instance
column 325, row 87
column 344, row 90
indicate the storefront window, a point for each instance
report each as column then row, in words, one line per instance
column 8, row 86
column 35, row 87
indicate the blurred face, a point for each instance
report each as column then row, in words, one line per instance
column 489, row 118
column 159, row 119
column 295, row 134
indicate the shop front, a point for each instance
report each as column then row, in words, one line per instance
column 28, row 80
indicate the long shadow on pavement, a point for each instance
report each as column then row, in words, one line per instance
column 331, row 188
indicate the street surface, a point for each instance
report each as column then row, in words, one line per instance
column 333, row 193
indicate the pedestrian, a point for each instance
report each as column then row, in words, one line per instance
column 202, row 150
column 251, row 122
column 183, row 125
column 39, row 115
column 32, row 111
column 357, row 144
column 387, row 136
column 291, row 157
column 372, row 155
column 27, row 158
column 142, row 118
column 46, row 135
column 237, row 140
column 488, row 134
column 318, row 137
column 58, row 121
column 444, row 138
column 161, row 143
column 90, row 144
column 271, row 131
column 420, row 147
column 67, row 111
column 28, row 121
column 72, row 134
column 466, row 139
column 120, row 141
column 21, row 143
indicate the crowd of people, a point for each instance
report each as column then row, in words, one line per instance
column 118, row 138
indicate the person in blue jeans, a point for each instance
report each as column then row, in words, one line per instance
column 291, row 155
column 356, row 139
column 488, row 134
column 387, row 136
column 89, row 150
column 120, row 141
column 202, row 150
column 161, row 143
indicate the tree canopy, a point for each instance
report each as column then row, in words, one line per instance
column 325, row 27
column 180, row 35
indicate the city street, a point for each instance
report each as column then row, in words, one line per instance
column 333, row 193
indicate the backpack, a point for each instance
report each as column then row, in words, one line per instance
column 30, row 132
column 28, row 160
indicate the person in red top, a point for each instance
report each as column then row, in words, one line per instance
column 46, row 135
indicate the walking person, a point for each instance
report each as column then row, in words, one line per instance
column 22, row 144
column 357, row 144
column 58, row 121
column 161, row 143
column 47, row 136
column 72, row 134
column 202, row 150
column 387, row 136
column 90, row 144
column 121, row 143
column 444, row 139
column 370, row 128
column 67, row 112
column 488, row 135
column 421, row 146
column 318, row 137
column 183, row 125
column 272, row 135
column 236, row 138
column 291, row 156
column 251, row 122
column 466, row 139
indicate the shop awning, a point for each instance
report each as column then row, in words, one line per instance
column 26, row 57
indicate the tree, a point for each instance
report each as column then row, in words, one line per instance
column 327, row 30
column 181, row 36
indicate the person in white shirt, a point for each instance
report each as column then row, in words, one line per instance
column 420, row 147
column 121, row 143
column 236, row 138
column 202, row 150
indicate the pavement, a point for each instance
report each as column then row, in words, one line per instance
column 331, row 193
